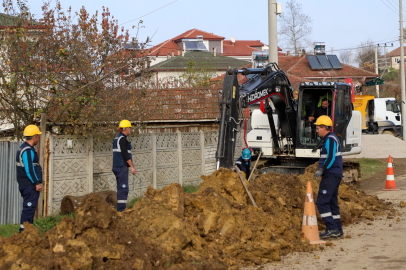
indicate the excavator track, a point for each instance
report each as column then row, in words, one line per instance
column 351, row 169
column 351, row 172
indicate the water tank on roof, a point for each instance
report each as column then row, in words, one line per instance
column 319, row 48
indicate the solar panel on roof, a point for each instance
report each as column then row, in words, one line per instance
column 334, row 61
column 314, row 63
column 195, row 46
column 325, row 64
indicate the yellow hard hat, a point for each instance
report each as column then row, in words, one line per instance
column 31, row 130
column 324, row 120
column 124, row 124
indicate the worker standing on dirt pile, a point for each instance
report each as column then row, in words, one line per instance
column 331, row 172
column 244, row 162
column 122, row 159
column 29, row 174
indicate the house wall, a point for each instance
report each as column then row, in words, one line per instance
column 394, row 62
column 158, row 59
column 215, row 44
column 242, row 57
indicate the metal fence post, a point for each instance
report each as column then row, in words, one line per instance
column 180, row 156
column 202, row 149
column 153, row 160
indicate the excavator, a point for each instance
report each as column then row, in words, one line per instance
column 281, row 130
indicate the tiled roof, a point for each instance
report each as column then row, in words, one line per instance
column 242, row 47
column 193, row 33
column 182, row 104
column 170, row 45
column 164, row 48
column 299, row 66
column 395, row 52
column 205, row 60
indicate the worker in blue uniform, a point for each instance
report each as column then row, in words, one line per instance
column 29, row 174
column 122, row 160
column 244, row 162
column 331, row 172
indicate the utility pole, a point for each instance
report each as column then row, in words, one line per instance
column 332, row 50
column 376, row 71
column 272, row 32
column 402, row 70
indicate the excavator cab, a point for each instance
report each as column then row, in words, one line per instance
column 340, row 111
column 309, row 101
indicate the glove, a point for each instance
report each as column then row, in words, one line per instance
column 318, row 174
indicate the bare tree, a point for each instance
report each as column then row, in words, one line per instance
column 295, row 27
column 345, row 57
column 365, row 55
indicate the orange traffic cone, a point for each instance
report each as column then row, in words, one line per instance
column 390, row 177
column 309, row 227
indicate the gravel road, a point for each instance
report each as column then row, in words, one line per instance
column 381, row 146
column 377, row 244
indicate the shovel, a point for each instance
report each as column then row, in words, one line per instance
column 255, row 166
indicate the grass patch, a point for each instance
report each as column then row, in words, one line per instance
column 9, row 229
column 190, row 189
column 131, row 204
column 42, row 224
column 45, row 224
column 370, row 166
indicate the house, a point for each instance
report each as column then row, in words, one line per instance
column 394, row 58
column 172, row 72
column 196, row 39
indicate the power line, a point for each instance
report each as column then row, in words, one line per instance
column 396, row 9
column 390, row 7
column 366, row 46
column 398, row 4
column 150, row 12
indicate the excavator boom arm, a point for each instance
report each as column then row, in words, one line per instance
column 269, row 84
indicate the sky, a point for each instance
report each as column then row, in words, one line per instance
column 341, row 24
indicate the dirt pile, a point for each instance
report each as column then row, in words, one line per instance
column 94, row 239
column 214, row 228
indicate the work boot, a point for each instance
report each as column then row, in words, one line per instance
column 330, row 233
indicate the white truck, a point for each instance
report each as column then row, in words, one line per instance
column 382, row 115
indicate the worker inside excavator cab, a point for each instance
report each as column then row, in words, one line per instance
column 314, row 104
column 323, row 109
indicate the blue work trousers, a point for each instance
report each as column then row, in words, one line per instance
column 30, row 200
column 121, row 174
column 327, row 201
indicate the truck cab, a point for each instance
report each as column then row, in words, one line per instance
column 383, row 116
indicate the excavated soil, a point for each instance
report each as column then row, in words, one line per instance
column 216, row 227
